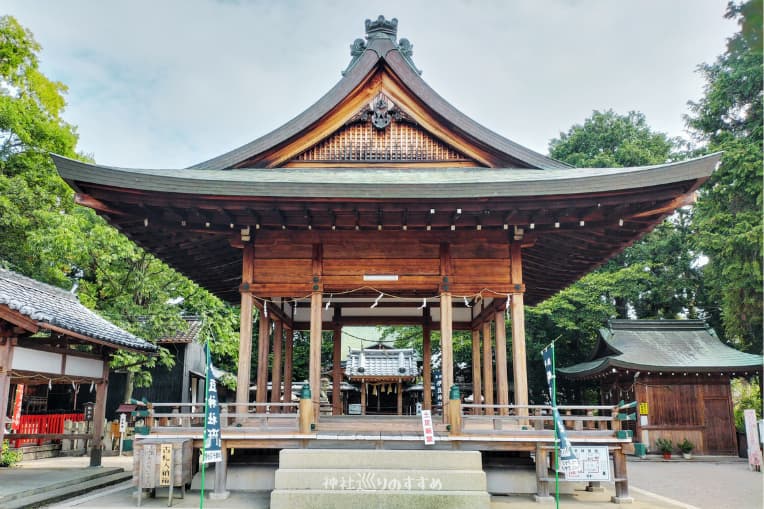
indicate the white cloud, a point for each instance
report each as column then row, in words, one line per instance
column 175, row 82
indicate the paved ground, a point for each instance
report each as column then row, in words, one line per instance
column 655, row 485
column 717, row 484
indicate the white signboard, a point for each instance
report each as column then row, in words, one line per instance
column 429, row 434
column 122, row 423
column 593, row 464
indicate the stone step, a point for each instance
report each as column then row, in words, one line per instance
column 379, row 459
column 68, row 480
column 405, row 479
column 51, row 495
column 378, row 499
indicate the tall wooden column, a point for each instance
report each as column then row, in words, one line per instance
column 336, row 360
column 477, row 389
column 427, row 361
column 399, row 394
column 517, row 313
column 446, row 349
column 278, row 333
column 6, row 359
column 502, row 382
column 487, row 368
column 314, row 367
column 263, row 349
column 288, row 344
column 245, row 329
column 99, row 414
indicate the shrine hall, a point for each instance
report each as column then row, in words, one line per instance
column 383, row 204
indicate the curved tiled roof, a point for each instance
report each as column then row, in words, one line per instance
column 686, row 345
column 49, row 305
column 383, row 183
column 383, row 362
column 384, row 49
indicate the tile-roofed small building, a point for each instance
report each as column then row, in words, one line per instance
column 685, row 345
column 188, row 335
column 56, row 309
column 373, row 363
column 678, row 371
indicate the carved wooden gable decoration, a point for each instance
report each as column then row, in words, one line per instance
column 381, row 132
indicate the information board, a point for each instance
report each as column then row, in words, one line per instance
column 429, row 434
column 592, row 464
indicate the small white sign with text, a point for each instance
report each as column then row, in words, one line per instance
column 429, row 435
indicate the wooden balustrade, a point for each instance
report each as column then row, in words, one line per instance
column 178, row 417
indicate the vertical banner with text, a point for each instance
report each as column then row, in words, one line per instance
column 212, row 451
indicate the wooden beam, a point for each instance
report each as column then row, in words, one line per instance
column 502, row 382
column 517, row 312
column 278, row 338
column 487, row 368
column 477, row 389
column 427, row 358
column 245, row 331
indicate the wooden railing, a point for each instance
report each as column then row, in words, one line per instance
column 259, row 416
column 477, row 418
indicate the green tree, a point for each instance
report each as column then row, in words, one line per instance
column 728, row 215
column 44, row 235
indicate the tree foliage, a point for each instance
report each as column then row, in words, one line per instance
column 44, row 235
column 728, row 215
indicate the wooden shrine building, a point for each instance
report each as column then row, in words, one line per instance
column 382, row 204
column 679, row 372
column 43, row 330
column 381, row 371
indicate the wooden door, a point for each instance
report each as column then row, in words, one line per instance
column 719, row 436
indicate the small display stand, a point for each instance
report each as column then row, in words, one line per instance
column 162, row 462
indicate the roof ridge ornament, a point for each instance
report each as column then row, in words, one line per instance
column 382, row 28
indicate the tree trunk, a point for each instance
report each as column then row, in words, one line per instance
column 128, row 388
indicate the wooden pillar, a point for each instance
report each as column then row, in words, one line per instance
column 446, row 326
column 621, row 478
column 263, row 348
column 221, row 475
column 336, row 366
column 6, row 359
column 245, row 329
column 278, row 333
column 446, row 349
column 502, row 382
column 517, row 312
column 288, row 343
column 363, row 398
column 487, row 368
column 477, row 389
column 99, row 414
column 399, row 388
column 427, row 361
column 314, row 367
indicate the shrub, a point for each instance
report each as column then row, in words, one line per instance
column 686, row 446
column 664, row 445
column 9, row 458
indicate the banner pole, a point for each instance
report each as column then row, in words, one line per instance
column 206, row 410
column 556, row 438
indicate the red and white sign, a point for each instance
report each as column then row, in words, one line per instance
column 16, row 422
column 429, row 435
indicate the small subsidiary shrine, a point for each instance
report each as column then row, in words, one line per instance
column 679, row 372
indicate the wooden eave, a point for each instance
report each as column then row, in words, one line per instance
column 194, row 232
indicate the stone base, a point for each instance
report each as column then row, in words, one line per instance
column 622, row 500
column 543, row 499
column 215, row 495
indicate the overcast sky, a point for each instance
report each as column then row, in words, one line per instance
column 171, row 83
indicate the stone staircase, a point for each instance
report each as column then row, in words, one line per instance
column 376, row 479
column 59, row 486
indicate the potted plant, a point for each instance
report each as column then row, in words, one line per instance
column 686, row 447
column 665, row 446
